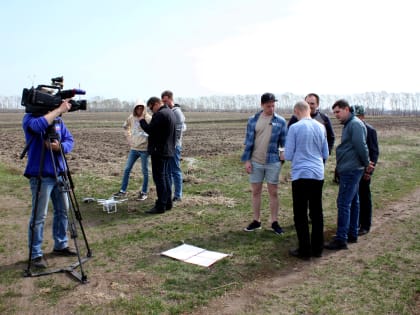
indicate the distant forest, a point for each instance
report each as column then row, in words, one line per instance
column 376, row 103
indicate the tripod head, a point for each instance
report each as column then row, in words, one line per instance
column 51, row 132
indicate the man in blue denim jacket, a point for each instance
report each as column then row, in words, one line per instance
column 263, row 155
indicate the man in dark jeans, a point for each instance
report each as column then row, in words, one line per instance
column 352, row 157
column 365, row 197
column 161, row 147
column 307, row 148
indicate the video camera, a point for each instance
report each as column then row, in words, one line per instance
column 45, row 98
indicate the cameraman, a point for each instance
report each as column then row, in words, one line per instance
column 45, row 178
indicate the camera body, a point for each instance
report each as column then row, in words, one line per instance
column 45, row 98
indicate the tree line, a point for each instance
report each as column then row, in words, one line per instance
column 376, row 103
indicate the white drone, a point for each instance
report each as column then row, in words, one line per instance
column 110, row 205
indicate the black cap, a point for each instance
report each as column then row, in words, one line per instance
column 268, row 97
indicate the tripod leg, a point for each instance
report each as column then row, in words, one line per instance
column 75, row 205
column 78, row 216
column 32, row 226
column 71, row 212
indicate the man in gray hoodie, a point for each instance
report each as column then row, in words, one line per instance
column 352, row 160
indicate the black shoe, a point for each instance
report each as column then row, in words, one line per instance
column 120, row 194
column 169, row 206
column 65, row 252
column 39, row 262
column 277, row 228
column 254, row 225
column 297, row 254
column 154, row 210
column 351, row 239
column 336, row 245
column 317, row 254
column 176, row 199
column 363, row 232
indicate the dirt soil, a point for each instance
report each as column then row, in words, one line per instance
column 105, row 148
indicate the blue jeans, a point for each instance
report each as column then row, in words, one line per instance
column 60, row 201
column 133, row 155
column 176, row 173
column 348, row 205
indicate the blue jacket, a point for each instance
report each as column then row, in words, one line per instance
column 278, row 138
column 307, row 148
column 35, row 129
column 352, row 153
column 323, row 119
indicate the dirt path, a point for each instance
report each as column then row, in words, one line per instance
column 257, row 292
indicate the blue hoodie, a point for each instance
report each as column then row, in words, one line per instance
column 35, row 131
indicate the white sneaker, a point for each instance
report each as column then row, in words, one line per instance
column 142, row 196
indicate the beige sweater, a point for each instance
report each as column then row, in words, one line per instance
column 135, row 135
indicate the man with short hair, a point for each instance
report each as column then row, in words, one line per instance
column 352, row 161
column 161, row 146
column 175, row 161
column 365, row 196
column 263, row 153
column 307, row 148
column 313, row 100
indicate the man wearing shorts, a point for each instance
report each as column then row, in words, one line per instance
column 263, row 157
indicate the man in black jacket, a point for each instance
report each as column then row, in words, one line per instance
column 161, row 147
column 365, row 197
column 313, row 100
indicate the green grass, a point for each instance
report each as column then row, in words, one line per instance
column 216, row 207
column 384, row 284
column 255, row 255
column 14, row 179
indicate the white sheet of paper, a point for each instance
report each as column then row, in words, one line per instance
column 206, row 258
column 194, row 255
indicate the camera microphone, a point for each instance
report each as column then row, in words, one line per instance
column 71, row 93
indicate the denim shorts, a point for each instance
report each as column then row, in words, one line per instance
column 270, row 172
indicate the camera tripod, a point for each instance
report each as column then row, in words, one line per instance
column 66, row 189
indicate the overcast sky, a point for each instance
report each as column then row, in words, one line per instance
column 135, row 48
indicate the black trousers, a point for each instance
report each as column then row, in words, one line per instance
column 307, row 193
column 161, row 173
column 365, row 199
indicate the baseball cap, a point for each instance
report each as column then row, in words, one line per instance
column 268, row 97
column 359, row 110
